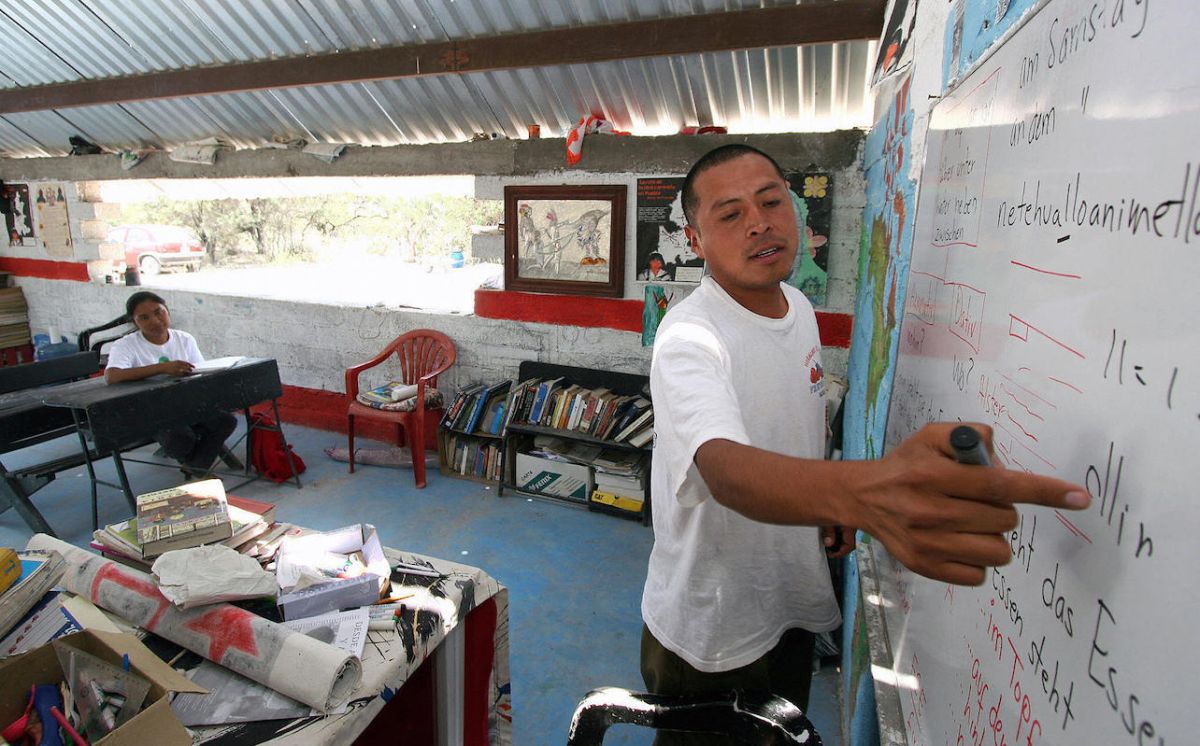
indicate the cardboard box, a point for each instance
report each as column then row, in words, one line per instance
column 357, row 538
column 154, row 724
column 559, row 478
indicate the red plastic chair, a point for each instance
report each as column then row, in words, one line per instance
column 423, row 354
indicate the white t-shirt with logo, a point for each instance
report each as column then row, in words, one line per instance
column 135, row 351
column 721, row 589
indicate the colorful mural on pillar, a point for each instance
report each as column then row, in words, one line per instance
column 883, row 272
column 883, row 269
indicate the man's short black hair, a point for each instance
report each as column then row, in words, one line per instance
column 716, row 157
column 139, row 298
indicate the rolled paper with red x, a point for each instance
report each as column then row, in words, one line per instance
column 293, row 664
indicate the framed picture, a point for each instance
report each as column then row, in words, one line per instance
column 565, row 239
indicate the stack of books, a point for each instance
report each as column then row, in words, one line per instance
column 30, row 576
column 480, row 409
column 14, row 318
column 473, row 457
column 598, row 412
column 620, row 482
column 189, row 516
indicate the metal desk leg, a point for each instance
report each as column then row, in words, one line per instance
column 14, row 494
column 287, row 451
column 129, row 498
column 91, row 470
column 249, row 440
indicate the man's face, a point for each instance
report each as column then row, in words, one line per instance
column 152, row 320
column 745, row 227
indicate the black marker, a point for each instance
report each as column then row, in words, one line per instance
column 968, row 446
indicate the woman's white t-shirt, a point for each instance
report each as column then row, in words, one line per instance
column 721, row 589
column 135, row 351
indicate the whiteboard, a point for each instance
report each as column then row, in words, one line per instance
column 1053, row 294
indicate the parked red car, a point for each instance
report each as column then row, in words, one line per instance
column 153, row 248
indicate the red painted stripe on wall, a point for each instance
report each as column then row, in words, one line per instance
column 561, row 310
column 44, row 268
column 611, row 313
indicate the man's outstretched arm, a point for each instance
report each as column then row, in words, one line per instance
column 939, row 518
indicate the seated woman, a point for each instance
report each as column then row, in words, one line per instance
column 156, row 349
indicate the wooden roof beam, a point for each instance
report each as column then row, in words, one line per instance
column 813, row 23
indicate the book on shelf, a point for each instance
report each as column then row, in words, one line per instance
column 545, row 394
column 643, row 436
column 646, row 417
column 456, row 407
column 516, row 402
column 600, row 425
column 40, row 570
column 559, row 400
column 493, row 412
column 479, row 404
column 595, row 402
column 624, row 463
column 619, row 415
column 585, row 399
column 620, row 484
column 473, row 457
column 527, row 400
column 460, row 411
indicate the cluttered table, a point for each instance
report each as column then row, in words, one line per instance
column 334, row 678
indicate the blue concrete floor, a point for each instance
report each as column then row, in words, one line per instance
column 574, row 577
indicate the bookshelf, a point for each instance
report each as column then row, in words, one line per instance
column 470, row 444
column 519, row 435
column 449, row 442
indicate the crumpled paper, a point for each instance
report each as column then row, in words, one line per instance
column 210, row 574
column 325, row 151
column 203, row 151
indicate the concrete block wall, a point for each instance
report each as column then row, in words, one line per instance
column 315, row 343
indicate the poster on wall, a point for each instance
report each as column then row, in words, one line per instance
column 664, row 254
column 54, row 226
column 19, row 218
column 895, row 53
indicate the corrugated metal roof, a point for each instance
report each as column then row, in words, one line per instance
column 814, row 87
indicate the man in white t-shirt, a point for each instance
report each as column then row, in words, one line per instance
column 157, row 349
column 745, row 511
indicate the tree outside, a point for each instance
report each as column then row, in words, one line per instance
column 240, row 232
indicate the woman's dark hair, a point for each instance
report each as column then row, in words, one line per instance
column 139, row 298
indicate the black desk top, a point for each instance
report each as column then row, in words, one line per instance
column 119, row 414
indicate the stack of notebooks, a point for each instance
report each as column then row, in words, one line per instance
column 598, row 412
column 14, row 318
column 620, row 483
column 25, row 578
column 189, row 516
